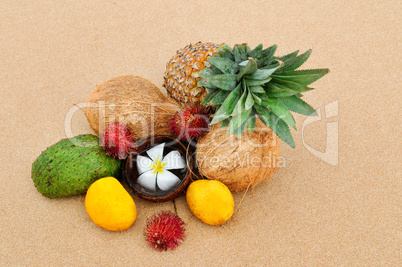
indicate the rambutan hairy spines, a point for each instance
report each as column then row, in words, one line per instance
column 174, row 124
column 117, row 140
column 164, row 231
column 193, row 123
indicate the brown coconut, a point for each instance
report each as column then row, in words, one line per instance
column 238, row 162
column 134, row 101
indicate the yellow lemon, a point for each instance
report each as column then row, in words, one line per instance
column 109, row 205
column 210, row 201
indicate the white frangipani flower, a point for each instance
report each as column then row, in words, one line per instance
column 155, row 169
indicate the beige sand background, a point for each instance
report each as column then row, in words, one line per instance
column 313, row 213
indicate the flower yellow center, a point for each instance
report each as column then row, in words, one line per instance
column 158, row 166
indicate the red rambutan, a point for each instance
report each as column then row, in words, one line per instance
column 164, row 231
column 117, row 140
column 193, row 123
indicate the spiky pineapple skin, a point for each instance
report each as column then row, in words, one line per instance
column 181, row 80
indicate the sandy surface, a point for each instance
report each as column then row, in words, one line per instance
column 334, row 203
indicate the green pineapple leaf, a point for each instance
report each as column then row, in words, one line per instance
column 250, row 66
column 257, row 89
column 219, row 98
column 251, row 121
column 256, row 51
column 266, row 56
column 225, row 123
column 281, row 129
column 280, row 110
column 211, row 94
column 291, row 85
column 207, row 85
column 244, row 84
column 226, row 52
column 288, row 56
column 227, row 106
column 240, row 129
column 304, row 77
column 262, row 96
column 295, row 62
column 223, row 81
column 256, row 98
column 207, row 72
column 238, row 120
column 252, row 82
column 225, row 65
column 277, row 90
column 276, row 124
column 261, row 74
column 245, row 50
column 262, row 112
column 241, row 103
column 240, row 53
column 249, row 101
column 295, row 104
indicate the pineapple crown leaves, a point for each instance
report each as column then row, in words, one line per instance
column 244, row 83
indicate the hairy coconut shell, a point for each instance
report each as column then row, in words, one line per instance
column 134, row 101
column 238, row 162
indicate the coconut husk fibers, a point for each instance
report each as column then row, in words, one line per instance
column 238, row 162
column 134, row 101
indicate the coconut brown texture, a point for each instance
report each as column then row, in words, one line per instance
column 238, row 162
column 134, row 101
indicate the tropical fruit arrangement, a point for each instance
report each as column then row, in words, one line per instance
column 216, row 131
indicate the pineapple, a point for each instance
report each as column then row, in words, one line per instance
column 243, row 84
column 180, row 80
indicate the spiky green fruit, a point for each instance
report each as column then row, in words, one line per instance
column 244, row 83
column 70, row 166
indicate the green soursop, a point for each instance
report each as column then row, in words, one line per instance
column 70, row 166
